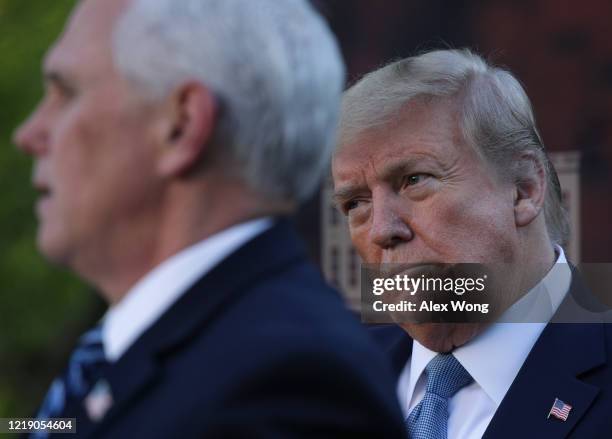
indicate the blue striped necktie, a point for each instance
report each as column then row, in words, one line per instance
column 445, row 377
column 84, row 369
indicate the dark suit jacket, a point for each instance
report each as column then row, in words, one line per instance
column 569, row 361
column 259, row 347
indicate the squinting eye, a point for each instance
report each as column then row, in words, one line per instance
column 354, row 205
column 414, row 179
column 349, row 205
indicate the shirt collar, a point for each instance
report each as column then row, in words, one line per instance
column 505, row 346
column 155, row 293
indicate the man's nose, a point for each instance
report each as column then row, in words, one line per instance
column 389, row 228
column 31, row 137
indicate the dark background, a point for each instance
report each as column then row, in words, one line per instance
column 561, row 50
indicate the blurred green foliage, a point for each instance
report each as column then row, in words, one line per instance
column 42, row 309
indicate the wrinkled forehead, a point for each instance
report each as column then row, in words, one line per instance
column 362, row 147
column 419, row 128
column 87, row 36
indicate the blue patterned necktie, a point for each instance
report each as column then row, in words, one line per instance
column 84, row 369
column 445, row 377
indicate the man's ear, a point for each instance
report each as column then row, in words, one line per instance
column 187, row 129
column 530, row 189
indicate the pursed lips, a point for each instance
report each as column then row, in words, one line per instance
column 44, row 194
column 414, row 269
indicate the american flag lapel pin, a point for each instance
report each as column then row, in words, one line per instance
column 98, row 401
column 559, row 410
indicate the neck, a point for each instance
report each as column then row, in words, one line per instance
column 184, row 217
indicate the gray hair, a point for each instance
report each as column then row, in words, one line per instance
column 274, row 66
column 495, row 114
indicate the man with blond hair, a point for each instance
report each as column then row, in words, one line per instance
column 440, row 163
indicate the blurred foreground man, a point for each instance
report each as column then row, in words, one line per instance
column 172, row 139
column 439, row 161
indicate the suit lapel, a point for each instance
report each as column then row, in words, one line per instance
column 127, row 379
column 395, row 342
column 400, row 349
column 138, row 369
column 562, row 353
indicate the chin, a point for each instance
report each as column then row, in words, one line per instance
column 442, row 337
column 51, row 247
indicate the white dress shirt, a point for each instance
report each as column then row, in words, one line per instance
column 493, row 358
column 155, row 293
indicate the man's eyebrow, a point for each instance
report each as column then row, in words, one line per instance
column 345, row 193
column 403, row 165
column 396, row 167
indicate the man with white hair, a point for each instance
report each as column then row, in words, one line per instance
column 173, row 138
column 440, row 162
